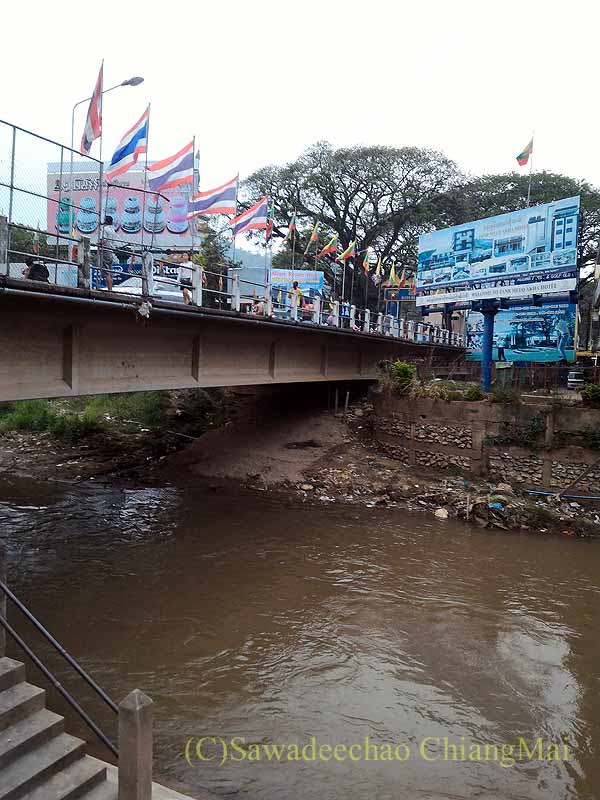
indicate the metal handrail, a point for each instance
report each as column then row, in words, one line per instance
column 46, row 672
column 57, row 646
column 59, row 687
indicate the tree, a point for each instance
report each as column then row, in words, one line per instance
column 23, row 240
column 380, row 196
column 212, row 258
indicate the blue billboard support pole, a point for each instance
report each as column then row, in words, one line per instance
column 489, row 313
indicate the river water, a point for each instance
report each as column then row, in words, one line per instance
column 255, row 618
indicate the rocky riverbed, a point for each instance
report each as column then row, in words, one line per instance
column 303, row 454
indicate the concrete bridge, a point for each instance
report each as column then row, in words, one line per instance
column 58, row 341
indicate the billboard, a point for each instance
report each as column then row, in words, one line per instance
column 526, row 252
column 310, row 281
column 527, row 333
column 134, row 220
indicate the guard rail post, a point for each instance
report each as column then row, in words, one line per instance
column 336, row 313
column 135, row 747
column 197, row 285
column 269, row 302
column 83, row 263
column 4, row 242
column 316, row 318
column 367, row 323
column 380, row 322
column 352, row 317
column 294, row 306
column 236, row 297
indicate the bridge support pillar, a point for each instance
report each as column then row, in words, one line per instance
column 487, row 351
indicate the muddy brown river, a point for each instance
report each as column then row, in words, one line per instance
column 420, row 648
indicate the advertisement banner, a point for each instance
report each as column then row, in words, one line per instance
column 527, row 333
column 311, row 282
column 124, row 202
column 526, row 252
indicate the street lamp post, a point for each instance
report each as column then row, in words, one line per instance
column 135, row 81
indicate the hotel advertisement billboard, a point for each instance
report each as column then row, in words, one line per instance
column 517, row 255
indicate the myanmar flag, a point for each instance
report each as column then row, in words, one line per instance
column 291, row 227
column 366, row 264
column 270, row 221
column 392, row 280
column 329, row 248
column 523, row 157
column 314, row 237
column 349, row 252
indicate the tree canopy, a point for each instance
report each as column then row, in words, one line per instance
column 384, row 197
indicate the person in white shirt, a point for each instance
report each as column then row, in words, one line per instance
column 186, row 271
column 108, row 243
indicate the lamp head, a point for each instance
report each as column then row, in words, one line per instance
column 135, row 81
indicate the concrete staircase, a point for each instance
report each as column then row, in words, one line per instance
column 38, row 760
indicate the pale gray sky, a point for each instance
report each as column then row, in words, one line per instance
column 258, row 82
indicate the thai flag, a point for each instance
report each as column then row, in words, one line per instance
column 254, row 218
column 221, row 200
column 131, row 145
column 173, row 171
column 93, row 123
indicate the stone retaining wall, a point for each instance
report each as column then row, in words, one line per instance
column 478, row 438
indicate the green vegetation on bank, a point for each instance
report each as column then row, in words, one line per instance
column 72, row 419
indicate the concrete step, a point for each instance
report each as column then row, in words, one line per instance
column 105, row 791
column 22, row 776
column 11, row 672
column 78, row 780
column 28, row 733
column 18, row 702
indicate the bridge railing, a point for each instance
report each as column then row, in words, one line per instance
column 206, row 288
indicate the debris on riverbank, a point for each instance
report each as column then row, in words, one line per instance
column 302, row 453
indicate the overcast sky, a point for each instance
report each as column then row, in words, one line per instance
column 258, row 82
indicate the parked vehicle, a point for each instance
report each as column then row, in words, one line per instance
column 87, row 215
column 132, row 216
column 575, row 380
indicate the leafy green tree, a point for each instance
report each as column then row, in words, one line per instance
column 213, row 259
column 22, row 240
column 380, row 196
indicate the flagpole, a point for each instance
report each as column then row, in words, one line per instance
column 293, row 246
column 100, row 247
column 237, row 186
column 530, row 170
column 145, row 182
column 366, row 287
column 353, row 274
column 192, row 194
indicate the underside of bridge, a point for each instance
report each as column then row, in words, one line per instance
column 59, row 343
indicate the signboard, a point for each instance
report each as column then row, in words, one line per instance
column 527, row 334
column 526, row 252
column 311, row 282
column 134, row 219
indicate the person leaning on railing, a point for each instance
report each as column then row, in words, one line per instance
column 106, row 253
column 186, row 269
column 36, row 271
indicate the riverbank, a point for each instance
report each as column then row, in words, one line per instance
column 303, row 453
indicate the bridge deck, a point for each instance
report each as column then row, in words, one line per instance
column 60, row 341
